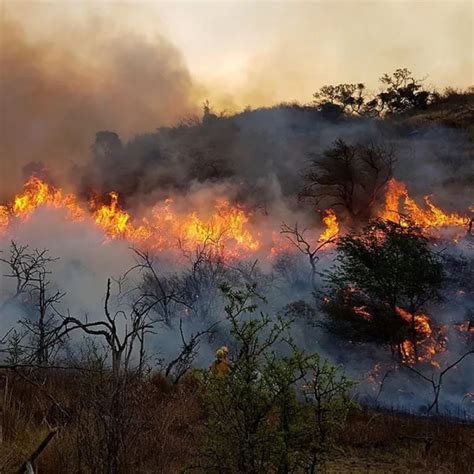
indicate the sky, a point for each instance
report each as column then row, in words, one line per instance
column 70, row 68
column 258, row 53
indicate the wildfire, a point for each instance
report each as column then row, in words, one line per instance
column 116, row 222
column 226, row 227
column 332, row 226
column 427, row 344
column 327, row 237
column 4, row 218
column 430, row 217
column 395, row 190
column 227, row 222
column 467, row 327
column 111, row 217
column 37, row 193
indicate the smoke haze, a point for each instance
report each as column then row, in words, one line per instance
column 55, row 96
column 92, row 96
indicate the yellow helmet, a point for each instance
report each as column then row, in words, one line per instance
column 222, row 352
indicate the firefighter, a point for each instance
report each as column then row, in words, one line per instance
column 221, row 367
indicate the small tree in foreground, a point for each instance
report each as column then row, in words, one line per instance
column 271, row 413
column 34, row 293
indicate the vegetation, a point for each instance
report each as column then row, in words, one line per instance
column 401, row 92
column 384, row 270
column 256, row 420
column 118, row 408
column 168, row 432
column 349, row 178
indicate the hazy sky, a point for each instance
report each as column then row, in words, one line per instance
column 261, row 52
column 70, row 68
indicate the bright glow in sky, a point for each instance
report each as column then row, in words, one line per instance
column 261, row 52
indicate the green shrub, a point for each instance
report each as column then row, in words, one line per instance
column 271, row 413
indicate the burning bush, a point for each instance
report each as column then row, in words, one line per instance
column 384, row 278
column 349, row 178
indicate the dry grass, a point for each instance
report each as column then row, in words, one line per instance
column 155, row 424
column 398, row 443
column 161, row 430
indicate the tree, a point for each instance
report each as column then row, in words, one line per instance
column 325, row 392
column 403, row 92
column 297, row 238
column 208, row 116
column 436, row 380
column 107, row 148
column 30, row 270
column 119, row 340
column 256, row 421
column 351, row 178
column 383, row 279
column 348, row 98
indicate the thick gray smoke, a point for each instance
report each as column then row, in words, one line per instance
column 261, row 157
column 54, row 108
column 86, row 262
column 55, row 96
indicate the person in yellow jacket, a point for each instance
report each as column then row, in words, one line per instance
column 221, row 367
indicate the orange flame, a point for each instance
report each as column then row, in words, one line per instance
column 331, row 231
column 332, row 226
column 227, row 226
column 428, row 345
column 226, row 223
column 399, row 205
column 116, row 222
column 466, row 326
column 4, row 219
column 38, row 193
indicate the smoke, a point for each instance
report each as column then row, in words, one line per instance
column 259, row 157
column 56, row 95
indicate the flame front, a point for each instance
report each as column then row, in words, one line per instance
column 431, row 217
column 332, row 226
column 427, row 345
column 228, row 230
column 38, row 193
column 225, row 229
column 117, row 223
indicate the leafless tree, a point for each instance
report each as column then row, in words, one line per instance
column 436, row 380
column 30, row 270
column 189, row 348
column 24, row 265
column 180, row 297
column 164, row 293
column 207, row 269
column 298, row 240
column 121, row 329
